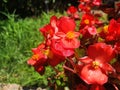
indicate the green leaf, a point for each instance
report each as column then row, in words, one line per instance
column 58, row 82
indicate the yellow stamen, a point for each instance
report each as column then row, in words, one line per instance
column 95, row 64
column 48, row 53
column 70, row 35
column 86, row 21
column 35, row 57
column 105, row 29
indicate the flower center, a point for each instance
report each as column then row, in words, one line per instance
column 106, row 29
column 48, row 53
column 70, row 35
column 95, row 64
column 35, row 57
column 86, row 21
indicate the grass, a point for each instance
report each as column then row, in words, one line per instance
column 17, row 37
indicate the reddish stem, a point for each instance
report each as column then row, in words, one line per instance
column 116, row 88
column 69, row 69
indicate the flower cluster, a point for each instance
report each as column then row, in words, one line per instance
column 92, row 48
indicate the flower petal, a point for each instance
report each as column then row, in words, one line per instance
column 93, row 76
column 73, row 43
column 101, row 52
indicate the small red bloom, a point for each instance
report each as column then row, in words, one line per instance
column 97, row 64
column 72, row 11
column 88, row 31
column 47, row 31
column 84, row 7
column 113, row 31
column 87, row 19
column 38, row 60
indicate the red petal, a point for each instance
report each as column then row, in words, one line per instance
column 107, row 68
column 66, row 24
column 60, row 34
column 92, row 30
column 57, row 48
column 31, row 62
column 97, row 2
column 93, row 76
column 101, row 52
column 73, row 43
column 86, row 60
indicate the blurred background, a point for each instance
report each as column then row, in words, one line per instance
column 34, row 7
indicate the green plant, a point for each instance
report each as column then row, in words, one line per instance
column 17, row 37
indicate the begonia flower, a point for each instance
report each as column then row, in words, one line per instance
column 113, row 31
column 96, row 65
column 84, row 7
column 38, row 60
column 88, row 31
column 87, row 19
column 73, row 12
column 66, row 39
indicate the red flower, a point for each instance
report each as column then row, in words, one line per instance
column 96, row 65
column 88, row 31
column 42, row 56
column 49, row 29
column 69, row 40
column 84, row 7
column 66, row 39
column 87, row 19
column 38, row 60
column 66, row 24
column 113, row 31
column 72, row 11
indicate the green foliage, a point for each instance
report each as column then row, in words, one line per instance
column 17, row 37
